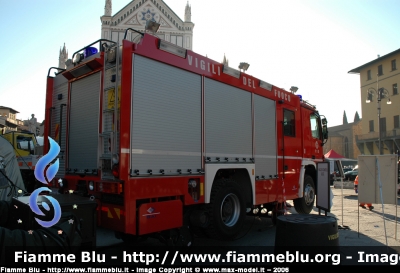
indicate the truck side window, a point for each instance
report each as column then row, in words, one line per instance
column 314, row 126
column 288, row 123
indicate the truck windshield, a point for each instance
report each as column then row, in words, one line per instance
column 25, row 143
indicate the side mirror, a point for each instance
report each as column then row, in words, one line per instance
column 324, row 129
column 324, row 122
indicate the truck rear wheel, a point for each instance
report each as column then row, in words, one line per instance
column 305, row 204
column 226, row 210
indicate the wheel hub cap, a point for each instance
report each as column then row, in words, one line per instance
column 230, row 210
column 309, row 194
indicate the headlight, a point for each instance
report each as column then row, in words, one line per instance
column 192, row 183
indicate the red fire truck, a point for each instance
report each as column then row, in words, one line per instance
column 165, row 139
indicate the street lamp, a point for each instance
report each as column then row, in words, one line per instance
column 381, row 93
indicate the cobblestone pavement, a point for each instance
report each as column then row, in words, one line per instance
column 366, row 228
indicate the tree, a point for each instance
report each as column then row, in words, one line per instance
column 344, row 118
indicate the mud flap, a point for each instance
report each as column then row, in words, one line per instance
column 157, row 216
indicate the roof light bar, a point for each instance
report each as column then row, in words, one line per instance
column 171, row 48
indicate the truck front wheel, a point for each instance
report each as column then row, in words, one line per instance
column 305, row 204
column 226, row 210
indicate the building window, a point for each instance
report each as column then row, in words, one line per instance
column 288, row 123
column 394, row 65
column 371, row 125
column 380, row 70
column 370, row 97
column 177, row 40
column 368, row 75
column 396, row 123
column 395, row 92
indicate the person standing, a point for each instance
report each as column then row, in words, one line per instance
column 32, row 124
column 363, row 205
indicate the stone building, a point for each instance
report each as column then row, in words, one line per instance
column 135, row 16
column 379, row 80
column 8, row 119
column 9, row 122
column 342, row 138
column 63, row 57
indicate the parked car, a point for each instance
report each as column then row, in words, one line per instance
column 351, row 175
column 347, row 169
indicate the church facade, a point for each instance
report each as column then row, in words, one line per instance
column 135, row 15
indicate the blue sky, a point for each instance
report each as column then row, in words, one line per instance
column 311, row 44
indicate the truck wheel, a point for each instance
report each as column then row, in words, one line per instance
column 305, row 204
column 227, row 211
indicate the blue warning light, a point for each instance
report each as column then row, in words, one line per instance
column 89, row 51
